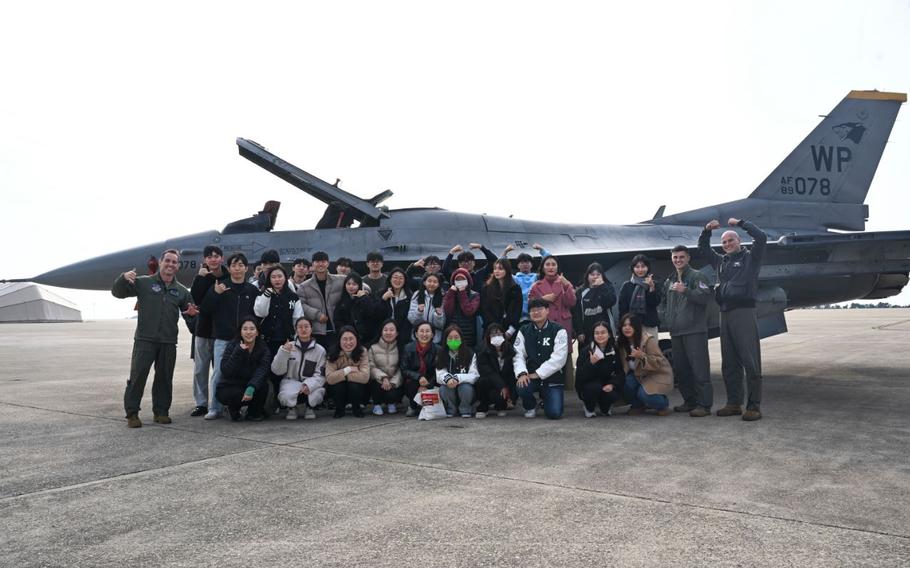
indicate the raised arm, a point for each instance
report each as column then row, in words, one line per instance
column 759, row 239
column 704, row 245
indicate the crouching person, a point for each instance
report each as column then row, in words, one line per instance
column 347, row 370
column 497, row 376
column 456, row 373
column 649, row 377
column 418, row 362
column 385, row 355
column 599, row 378
column 244, row 371
column 541, row 348
column 301, row 364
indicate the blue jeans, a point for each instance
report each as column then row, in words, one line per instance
column 218, row 351
column 637, row 397
column 552, row 397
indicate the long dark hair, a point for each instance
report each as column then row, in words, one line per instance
column 356, row 278
column 622, row 342
column 507, row 349
column 464, row 354
column 335, row 350
column 388, row 285
column 642, row 259
column 255, row 322
column 422, row 293
column 611, row 343
column 540, row 273
column 268, row 276
column 593, row 267
column 495, row 289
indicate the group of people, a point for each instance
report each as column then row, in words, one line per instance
column 483, row 339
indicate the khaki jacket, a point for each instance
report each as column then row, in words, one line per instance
column 360, row 370
column 653, row 372
column 160, row 306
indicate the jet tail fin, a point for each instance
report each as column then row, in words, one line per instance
column 822, row 184
column 837, row 161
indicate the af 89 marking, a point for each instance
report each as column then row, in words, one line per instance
column 805, row 186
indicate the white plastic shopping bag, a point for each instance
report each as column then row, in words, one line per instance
column 431, row 405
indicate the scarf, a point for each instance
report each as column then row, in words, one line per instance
column 637, row 302
column 435, row 301
column 421, row 355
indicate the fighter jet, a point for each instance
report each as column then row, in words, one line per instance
column 811, row 206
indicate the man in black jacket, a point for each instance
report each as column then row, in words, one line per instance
column 737, row 288
column 228, row 302
column 203, row 341
column 467, row 261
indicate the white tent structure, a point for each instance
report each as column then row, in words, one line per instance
column 28, row 302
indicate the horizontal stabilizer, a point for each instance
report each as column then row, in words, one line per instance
column 320, row 189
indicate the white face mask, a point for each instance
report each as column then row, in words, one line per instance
column 497, row 340
column 461, row 284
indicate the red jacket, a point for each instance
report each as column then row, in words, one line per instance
column 468, row 299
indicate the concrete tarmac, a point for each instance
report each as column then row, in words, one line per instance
column 822, row 480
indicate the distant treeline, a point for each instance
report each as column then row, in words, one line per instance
column 855, row 306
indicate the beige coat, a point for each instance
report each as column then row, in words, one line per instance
column 360, row 370
column 384, row 362
column 654, row 372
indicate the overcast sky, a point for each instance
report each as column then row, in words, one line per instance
column 118, row 119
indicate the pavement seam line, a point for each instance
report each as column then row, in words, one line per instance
column 885, row 327
column 181, row 429
column 266, row 445
column 608, row 493
column 118, row 477
column 296, row 445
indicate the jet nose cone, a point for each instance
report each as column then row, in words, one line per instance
column 99, row 273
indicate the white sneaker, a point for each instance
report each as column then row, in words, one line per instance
column 501, row 413
column 309, row 414
column 391, row 409
column 292, row 414
column 377, row 410
column 480, row 415
column 410, row 413
column 531, row 413
column 212, row 415
column 589, row 413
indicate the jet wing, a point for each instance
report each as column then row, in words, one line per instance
column 320, row 189
column 838, row 254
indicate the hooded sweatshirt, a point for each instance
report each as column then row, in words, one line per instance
column 461, row 306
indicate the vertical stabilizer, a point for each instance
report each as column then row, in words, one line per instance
column 837, row 161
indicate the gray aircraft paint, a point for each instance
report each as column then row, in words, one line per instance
column 820, row 186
